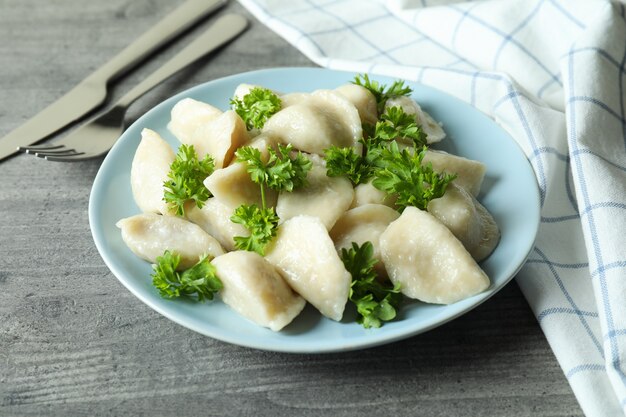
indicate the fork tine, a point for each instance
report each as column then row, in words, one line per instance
column 34, row 148
column 75, row 157
column 59, row 151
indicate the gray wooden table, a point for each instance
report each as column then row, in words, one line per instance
column 73, row 341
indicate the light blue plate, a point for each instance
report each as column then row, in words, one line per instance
column 509, row 192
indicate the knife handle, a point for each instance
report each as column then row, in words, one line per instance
column 169, row 27
column 223, row 30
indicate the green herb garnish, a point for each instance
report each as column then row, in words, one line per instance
column 374, row 301
column 281, row 172
column 402, row 173
column 199, row 281
column 256, row 107
column 380, row 91
column 186, row 177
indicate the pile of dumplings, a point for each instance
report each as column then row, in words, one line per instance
column 432, row 254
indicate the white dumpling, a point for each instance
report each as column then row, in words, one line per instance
column 322, row 119
column 428, row 261
column 290, row 99
column 232, row 185
column 255, row 289
column 470, row 173
column 220, row 137
column 366, row 193
column 148, row 235
column 149, row 170
column 468, row 220
column 364, row 224
column 434, row 131
column 187, row 115
column 324, row 197
column 363, row 100
column 214, row 218
column 263, row 143
column 306, row 256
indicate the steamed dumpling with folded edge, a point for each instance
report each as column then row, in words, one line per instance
column 255, row 289
column 219, row 137
column 187, row 115
column 363, row 100
column 233, row 186
column 148, row 235
column 468, row 220
column 366, row 193
column 322, row 119
column 434, row 131
column 470, row 173
column 364, row 224
column 214, row 218
column 290, row 99
column 307, row 259
column 324, row 197
column 428, row 261
column 149, row 170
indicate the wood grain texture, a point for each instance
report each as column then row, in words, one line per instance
column 74, row 342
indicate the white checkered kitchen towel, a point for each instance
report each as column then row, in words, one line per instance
column 552, row 73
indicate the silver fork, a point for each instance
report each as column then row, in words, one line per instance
column 98, row 135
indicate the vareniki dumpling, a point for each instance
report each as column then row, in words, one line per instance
column 321, row 119
column 469, row 173
column 256, row 290
column 189, row 114
column 324, row 197
column 150, row 167
column 214, row 218
column 306, row 256
column 434, row 131
column 149, row 235
column 364, row 224
column 428, row 261
column 468, row 220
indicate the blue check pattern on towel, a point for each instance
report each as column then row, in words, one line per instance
column 552, row 73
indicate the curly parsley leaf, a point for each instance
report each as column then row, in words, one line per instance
column 394, row 124
column 286, row 173
column 381, row 92
column 186, row 177
column 403, row 174
column 262, row 224
column 281, row 172
column 374, row 301
column 346, row 162
column 199, row 281
column 256, row 107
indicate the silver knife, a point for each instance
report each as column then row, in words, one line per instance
column 92, row 91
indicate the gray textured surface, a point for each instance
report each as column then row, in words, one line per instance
column 73, row 341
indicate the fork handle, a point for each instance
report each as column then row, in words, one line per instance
column 222, row 31
column 165, row 30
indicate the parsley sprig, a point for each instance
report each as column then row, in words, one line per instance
column 199, row 281
column 262, row 224
column 381, row 92
column 346, row 162
column 281, row 172
column 256, row 107
column 374, row 301
column 186, row 177
column 395, row 123
column 402, row 173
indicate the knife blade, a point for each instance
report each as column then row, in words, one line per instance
column 92, row 91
